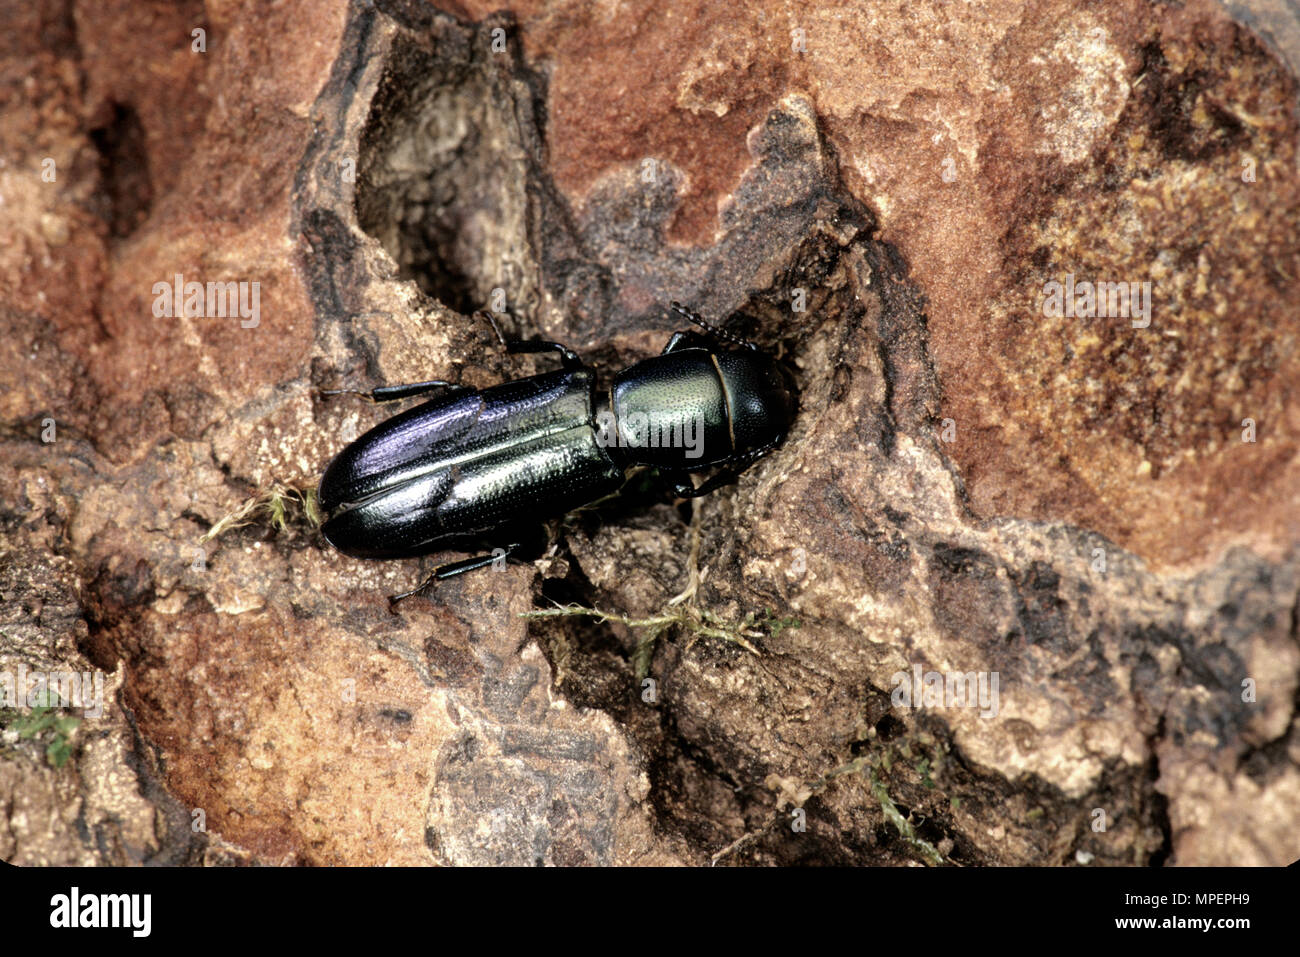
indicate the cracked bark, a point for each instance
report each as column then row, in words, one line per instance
column 268, row 687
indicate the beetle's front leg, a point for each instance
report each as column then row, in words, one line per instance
column 683, row 488
column 568, row 358
column 392, row 393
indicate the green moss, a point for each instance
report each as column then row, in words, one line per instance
column 44, row 721
column 924, row 849
column 923, row 769
column 645, row 652
column 695, row 622
column 276, row 506
column 870, row 765
column 776, row 625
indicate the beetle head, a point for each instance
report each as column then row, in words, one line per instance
column 761, row 397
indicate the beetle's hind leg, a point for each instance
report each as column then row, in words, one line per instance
column 451, row 570
column 568, row 358
column 391, row 393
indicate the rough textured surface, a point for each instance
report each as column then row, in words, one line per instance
column 876, row 192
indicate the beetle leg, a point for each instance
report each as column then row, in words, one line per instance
column 683, row 488
column 450, row 570
column 569, row 359
column 391, row 393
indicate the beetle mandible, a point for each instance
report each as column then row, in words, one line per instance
column 472, row 463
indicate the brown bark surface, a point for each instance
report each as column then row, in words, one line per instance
column 876, row 192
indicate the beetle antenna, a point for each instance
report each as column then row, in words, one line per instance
column 715, row 331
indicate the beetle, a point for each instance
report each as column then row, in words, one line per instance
column 475, row 463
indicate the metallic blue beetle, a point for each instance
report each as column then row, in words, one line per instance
column 471, row 464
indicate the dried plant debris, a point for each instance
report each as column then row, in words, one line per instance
column 1019, row 587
